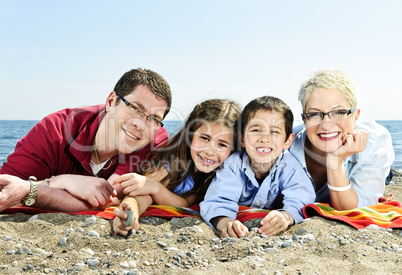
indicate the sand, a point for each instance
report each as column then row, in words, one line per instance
column 66, row 244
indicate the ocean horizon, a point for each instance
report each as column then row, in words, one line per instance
column 12, row 130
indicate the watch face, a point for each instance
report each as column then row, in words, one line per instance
column 29, row 201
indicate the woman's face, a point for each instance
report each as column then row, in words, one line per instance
column 326, row 135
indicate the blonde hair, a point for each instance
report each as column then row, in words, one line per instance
column 332, row 80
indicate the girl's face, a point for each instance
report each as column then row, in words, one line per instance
column 326, row 134
column 211, row 145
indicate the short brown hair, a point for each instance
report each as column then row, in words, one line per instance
column 156, row 83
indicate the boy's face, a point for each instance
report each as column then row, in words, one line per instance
column 264, row 138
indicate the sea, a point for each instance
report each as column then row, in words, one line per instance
column 12, row 130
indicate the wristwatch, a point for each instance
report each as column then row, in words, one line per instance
column 30, row 199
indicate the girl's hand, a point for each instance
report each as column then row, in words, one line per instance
column 118, row 222
column 234, row 229
column 352, row 143
column 134, row 184
column 275, row 222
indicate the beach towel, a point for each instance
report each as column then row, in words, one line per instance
column 387, row 214
column 162, row 211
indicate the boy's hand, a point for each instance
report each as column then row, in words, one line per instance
column 275, row 222
column 234, row 229
column 118, row 222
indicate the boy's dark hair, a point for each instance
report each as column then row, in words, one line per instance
column 133, row 78
column 267, row 103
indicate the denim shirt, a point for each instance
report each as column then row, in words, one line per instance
column 186, row 185
column 287, row 187
column 366, row 170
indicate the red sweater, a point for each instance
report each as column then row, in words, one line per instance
column 61, row 143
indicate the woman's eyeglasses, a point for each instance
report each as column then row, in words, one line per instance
column 317, row 117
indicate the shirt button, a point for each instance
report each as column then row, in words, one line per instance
column 258, row 202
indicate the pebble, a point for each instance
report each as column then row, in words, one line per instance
column 93, row 262
column 63, row 240
column 90, row 220
column 162, row 244
column 24, row 250
column 88, row 251
column 93, row 233
column 130, row 217
column 34, row 217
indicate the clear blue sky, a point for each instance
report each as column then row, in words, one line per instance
column 59, row 54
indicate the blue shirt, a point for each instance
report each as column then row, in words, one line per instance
column 186, row 185
column 366, row 170
column 286, row 187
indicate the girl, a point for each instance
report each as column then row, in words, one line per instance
column 181, row 172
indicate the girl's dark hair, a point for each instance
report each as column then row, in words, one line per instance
column 177, row 152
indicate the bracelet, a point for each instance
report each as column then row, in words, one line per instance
column 344, row 188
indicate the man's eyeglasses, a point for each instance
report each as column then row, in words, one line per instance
column 135, row 112
column 317, row 117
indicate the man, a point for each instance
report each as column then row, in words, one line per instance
column 75, row 154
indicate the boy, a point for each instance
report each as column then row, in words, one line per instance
column 262, row 175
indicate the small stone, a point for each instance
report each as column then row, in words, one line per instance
column 90, row 220
column 38, row 251
column 124, row 265
column 93, row 233
column 271, row 250
column 169, row 235
column 132, row 264
column 79, row 229
column 24, row 250
column 302, row 231
column 93, row 262
column 63, row 240
column 34, row 217
column 161, row 244
column 130, row 217
column 87, row 251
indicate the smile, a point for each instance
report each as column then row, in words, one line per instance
column 130, row 134
column 264, row 150
column 328, row 136
column 207, row 161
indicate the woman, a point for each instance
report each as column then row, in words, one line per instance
column 347, row 159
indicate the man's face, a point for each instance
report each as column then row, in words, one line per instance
column 128, row 131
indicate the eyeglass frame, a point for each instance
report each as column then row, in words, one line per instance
column 141, row 113
column 322, row 114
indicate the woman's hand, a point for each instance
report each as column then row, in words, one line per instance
column 134, row 184
column 275, row 222
column 352, row 143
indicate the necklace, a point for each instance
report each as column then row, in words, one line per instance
column 97, row 159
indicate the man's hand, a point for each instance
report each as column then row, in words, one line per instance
column 96, row 191
column 12, row 190
column 275, row 222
